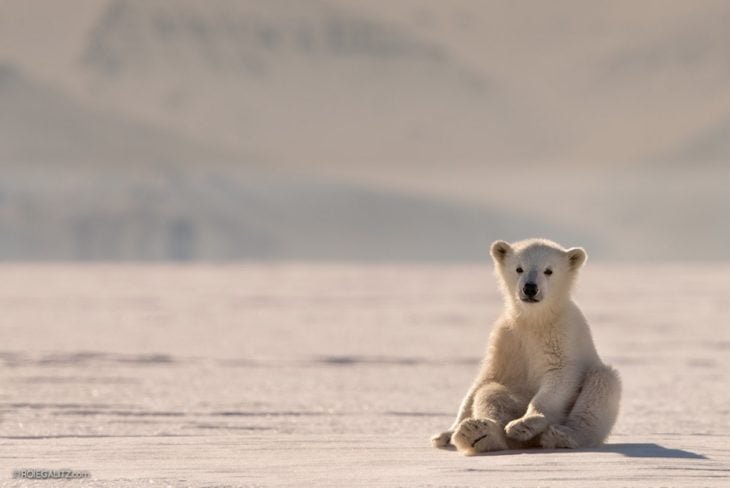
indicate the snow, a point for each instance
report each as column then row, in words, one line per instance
column 336, row 375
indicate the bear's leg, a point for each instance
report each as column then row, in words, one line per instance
column 593, row 415
column 494, row 405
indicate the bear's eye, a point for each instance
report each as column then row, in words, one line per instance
column 519, row 269
column 548, row 271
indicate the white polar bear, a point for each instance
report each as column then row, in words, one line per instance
column 542, row 382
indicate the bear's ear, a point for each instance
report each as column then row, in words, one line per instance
column 576, row 257
column 500, row 250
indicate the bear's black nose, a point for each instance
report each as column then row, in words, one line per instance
column 530, row 290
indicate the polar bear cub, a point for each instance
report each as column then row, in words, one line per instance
column 542, row 383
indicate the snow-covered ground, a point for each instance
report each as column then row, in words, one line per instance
column 336, row 375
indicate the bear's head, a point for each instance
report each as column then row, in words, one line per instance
column 536, row 273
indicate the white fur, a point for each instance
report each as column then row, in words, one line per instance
column 542, row 383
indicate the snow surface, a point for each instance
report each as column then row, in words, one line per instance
column 336, row 375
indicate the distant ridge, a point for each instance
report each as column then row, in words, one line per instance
column 342, row 88
column 41, row 125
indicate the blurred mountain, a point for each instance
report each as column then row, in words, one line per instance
column 710, row 147
column 40, row 126
column 362, row 88
column 303, row 83
column 219, row 214
column 81, row 184
column 417, row 129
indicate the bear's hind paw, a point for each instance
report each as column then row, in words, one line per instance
column 478, row 435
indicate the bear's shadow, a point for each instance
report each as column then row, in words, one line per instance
column 648, row 450
column 634, row 450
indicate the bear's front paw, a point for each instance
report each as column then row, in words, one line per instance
column 525, row 428
column 478, row 435
column 441, row 440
